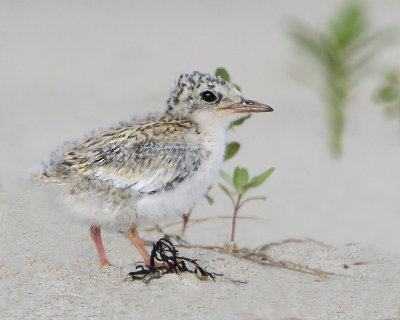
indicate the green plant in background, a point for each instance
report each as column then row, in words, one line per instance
column 388, row 93
column 344, row 52
column 231, row 149
column 240, row 182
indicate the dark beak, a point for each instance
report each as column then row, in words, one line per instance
column 246, row 106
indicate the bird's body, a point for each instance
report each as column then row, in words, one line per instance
column 141, row 172
column 149, row 169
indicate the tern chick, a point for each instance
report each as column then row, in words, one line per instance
column 150, row 169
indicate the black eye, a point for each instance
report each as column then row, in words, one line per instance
column 208, row 96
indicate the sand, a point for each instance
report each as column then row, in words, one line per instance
column 49, row 270
column 70, row 67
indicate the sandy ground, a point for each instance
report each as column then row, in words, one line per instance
column 68, row 67
column 49, row 270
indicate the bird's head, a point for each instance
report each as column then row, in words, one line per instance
column 198, row 92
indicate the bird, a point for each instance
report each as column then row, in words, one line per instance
column 149, row 169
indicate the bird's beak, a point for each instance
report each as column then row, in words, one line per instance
column 246, row 106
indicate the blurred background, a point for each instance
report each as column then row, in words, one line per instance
column 68, row 67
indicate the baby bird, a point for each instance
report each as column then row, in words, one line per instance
column 150, row 169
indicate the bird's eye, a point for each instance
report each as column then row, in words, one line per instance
column 208, row 96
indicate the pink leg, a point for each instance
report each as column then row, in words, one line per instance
column 96, row 237
column 138, row 243
column 186, row 220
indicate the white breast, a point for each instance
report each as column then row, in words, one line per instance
column 181, row 199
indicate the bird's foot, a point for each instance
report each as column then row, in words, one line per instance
column 105, row 263
column 95, row 234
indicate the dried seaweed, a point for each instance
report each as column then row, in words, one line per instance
column 258, row 256
column 164, row 252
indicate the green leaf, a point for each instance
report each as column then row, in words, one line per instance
column 251, row 199
column 223, row 74
column 239, row 121
column 226, row 177
column 237, row 87
column 260, row 179
column 256, row 198
column 389, row 94
column 231, row 149
column 209, row 199
column 225, row 190
column 390, row 90
column 309, row 41
column 349, row 24
column 240, row 179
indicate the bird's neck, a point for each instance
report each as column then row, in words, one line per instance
column 211, row 124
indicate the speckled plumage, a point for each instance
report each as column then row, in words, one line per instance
column 119, row 167
column 148, row 169
column 148, row 157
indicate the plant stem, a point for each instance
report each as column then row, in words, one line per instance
column 235, row 211
column 337, row 127
column 338, row 94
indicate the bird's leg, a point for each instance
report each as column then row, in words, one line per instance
column 96, row 236
column 186, row 217
column 133, row 235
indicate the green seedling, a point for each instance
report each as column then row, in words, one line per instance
column 241, row 184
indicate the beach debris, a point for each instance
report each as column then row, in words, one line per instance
column 257, row 255
column 165, row 259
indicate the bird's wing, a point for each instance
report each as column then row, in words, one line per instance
column 148, row 157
